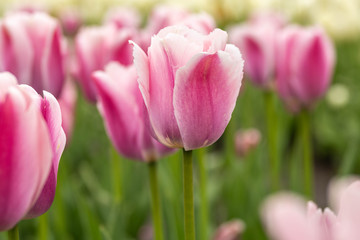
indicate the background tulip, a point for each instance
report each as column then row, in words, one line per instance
column 26, row 152
column 124, row 113
column 97, row 46
column 304, row 65
column 31, row 48
column 190, row 83
column 123, row 17
column 256, row 41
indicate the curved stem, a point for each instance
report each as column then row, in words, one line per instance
column 307, row 153
column 155, row 201
column 203, row 194
column 271, row 123
column 13, row 234
column 188, row 196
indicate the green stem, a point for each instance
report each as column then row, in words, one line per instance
column 13, row 234
column 203, row 195
column 271, row 122
column 43, row 227
column 116, row 174
column 229, row 143
column 188, row 196
column 155, row 201
column 307, row 153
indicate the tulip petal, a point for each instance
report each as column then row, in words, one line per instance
column 25, row 157
column 205, row 94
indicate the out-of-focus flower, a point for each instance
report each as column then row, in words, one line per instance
column 123, row 17
column 71, row 20
column 31, row 143
column 190, row 83
column 246, row 140
column 304, row 65
column 31, row 48
column 124, row 113
column 338, row 95
column 256, row 41
column 230, row 230
column 97, row 46
column 310, row 222
column 67, row 102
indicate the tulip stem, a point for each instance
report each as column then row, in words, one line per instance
column 155, row 201
column 188, row 196
column 13, row 234
column 116, row 174
column 203, row 194
column 307, row 153
column 43, row 227
column 271, row 122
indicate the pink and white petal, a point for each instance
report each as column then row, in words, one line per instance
column 215, row 41
column 205, row 93
column 25, row 157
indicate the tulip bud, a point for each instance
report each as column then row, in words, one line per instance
column 190, row 83
column 31, row 48
column 97, row 46
column 256, row 41
column 230, row 230
column 70, row 20
column 124, row 113
column 246, row 140
column 304, row 65
column 31, row 143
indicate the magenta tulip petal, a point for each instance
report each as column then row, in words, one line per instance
column 161, row 110
column 210, row 83
column 25, row 156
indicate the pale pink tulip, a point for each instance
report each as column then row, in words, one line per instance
column 256, row 41
column 304, row 65
column 230, row 230
column 123, row 17
column 246, row 140
column 97, row 46
column 31, row 143
column 122, row 108
column 190, row 83
column 31, row 48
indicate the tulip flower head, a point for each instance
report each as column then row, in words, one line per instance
column 256, row 41
column 97, row 46
column 31, row 143
column 304, row 65
column 31, row 48
column 309, row 222
column 190, row 83
column 122, row 108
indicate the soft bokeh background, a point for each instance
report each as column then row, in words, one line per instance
column 89, row 205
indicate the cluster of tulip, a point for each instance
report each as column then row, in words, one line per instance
column 172, row 84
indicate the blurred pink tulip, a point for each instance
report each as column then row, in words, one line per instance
column 31, row 143
column 71, row 20
column 31, row 48
column 67, row 102
column 230, row 230
column 256, row 41
column 304, row 65
column 97, row 46
column 246, row 140
column 124, row 113
column 312, row 223
column 123, row 17
column 190, row 83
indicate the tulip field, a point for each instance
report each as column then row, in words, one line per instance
column 172, row 120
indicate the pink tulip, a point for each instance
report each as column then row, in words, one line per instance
column 31, row 142
column 31, row 48
column 97, row 46
column 304, row 65
column 71, row 20
column 190, row 83
column 246, row 140
column 123, row 17
column 124, row 113
column 230, row 230
column 256, row 41
column 287, row 217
